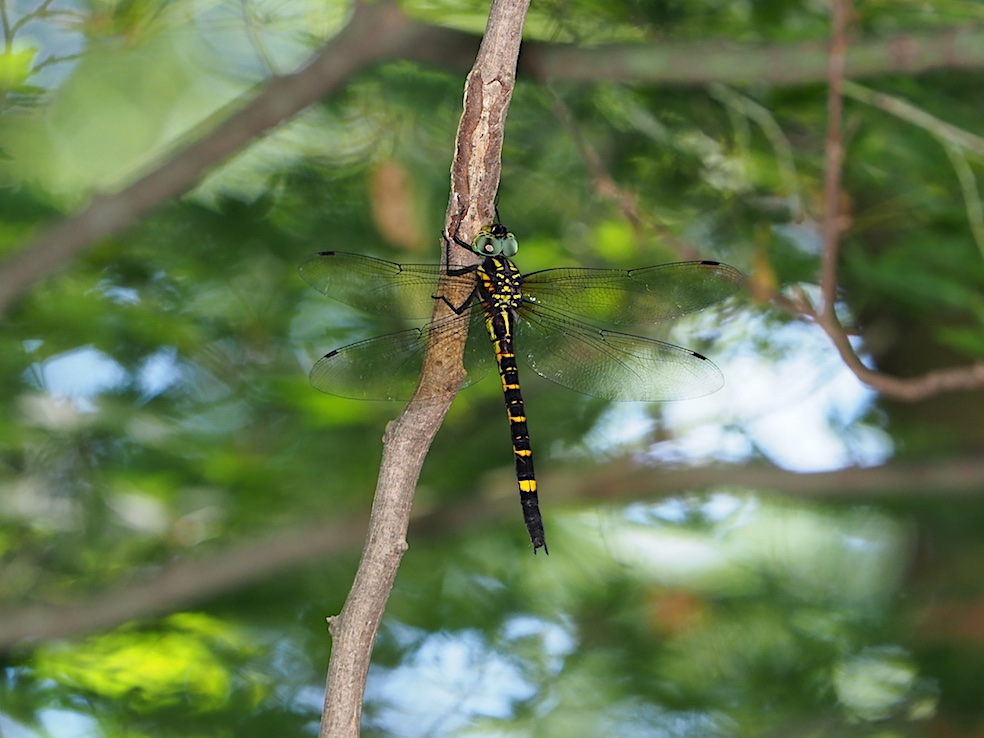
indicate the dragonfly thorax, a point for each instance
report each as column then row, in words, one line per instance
column 500, row 284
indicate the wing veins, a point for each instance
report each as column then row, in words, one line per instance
column 388, row 367
column 645, row 295
column 613, row 361
column 378, row 286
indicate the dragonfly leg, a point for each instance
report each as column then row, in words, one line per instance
column 460, row 309
column 458, row 272
column 457, row 228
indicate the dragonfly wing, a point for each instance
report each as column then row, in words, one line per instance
column 647, row 295
column 374, row 285
column 611, row 365
column 388, row 367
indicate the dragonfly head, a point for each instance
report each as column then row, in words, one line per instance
column 494, row 240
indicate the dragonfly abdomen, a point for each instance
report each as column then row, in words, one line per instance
column 499, row 325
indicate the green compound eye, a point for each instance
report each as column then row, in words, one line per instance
column 494, row 240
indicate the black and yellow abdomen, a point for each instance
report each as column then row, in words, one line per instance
column 499, row 288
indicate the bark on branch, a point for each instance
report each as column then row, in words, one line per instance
column 474, row 181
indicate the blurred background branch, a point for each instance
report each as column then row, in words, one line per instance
column 379, row 31
column 183, row 583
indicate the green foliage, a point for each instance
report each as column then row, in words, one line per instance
column 155, row 405
column 186, row 662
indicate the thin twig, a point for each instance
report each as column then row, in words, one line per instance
column 907, row 389
column 604, row 183
column 775, row 135
column 910, row 389
column 971, row 195
column 834, row 157
column 49, row 61
column 8, row 33
column 945, row 132
column 955, row 141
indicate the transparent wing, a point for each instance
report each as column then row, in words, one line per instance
column 388, row 367
column 374, row 285
column 611, row 365
column 646, row 295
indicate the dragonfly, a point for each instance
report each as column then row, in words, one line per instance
column 542, row 316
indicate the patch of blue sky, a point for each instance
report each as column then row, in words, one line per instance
column 787, row 396
column 449, row 680
column 159, row 372
column 800, row 407
column 119, row 295
column 714, row 508
column 82, row 374
column 10, row 728
column 69, row 724
column 629, row 718
column 556, row 639
column 853, row 558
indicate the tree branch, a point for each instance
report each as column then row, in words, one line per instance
column 183, row 583
column 379, row 31
column 474, row 181
column 906, row 389
column 177, row 584
column 731, row 63
column 834, row 155
column 376, row 32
